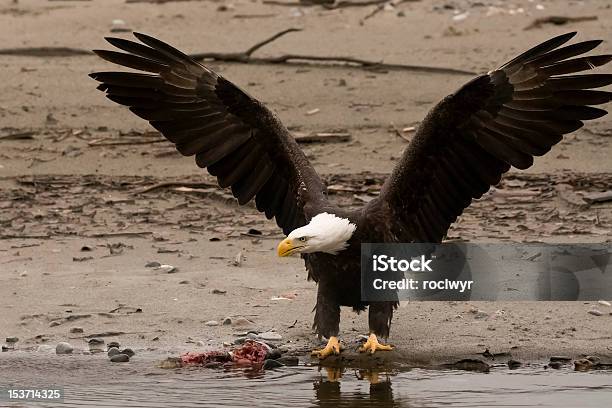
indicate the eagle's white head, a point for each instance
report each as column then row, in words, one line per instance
column 324, row 233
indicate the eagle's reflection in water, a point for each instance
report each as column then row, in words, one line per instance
column 328, row 389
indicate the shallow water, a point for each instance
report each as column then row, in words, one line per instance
column 94, row 382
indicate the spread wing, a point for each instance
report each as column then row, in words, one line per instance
column 495, row 121
column 230, row 133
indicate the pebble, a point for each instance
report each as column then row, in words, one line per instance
column 289, row 361
column 128, row 351
column 200, row 343
column 113, row 344
column 120, row 358
column 166, row 268
column 211, row 323
column 563, row 359
column 5, row 348
column 227, row 321
column 605, row 303
column 270, row 336
column 273, row 354
column 96, row 344
column 63, row 348
column 112, row 351
column 153, row 264
column 583, row 364
column 241, row 321
column 45, row 348
column 512, row 364
column 595, row 312
column 270, row 364
column 12, row 340
column 480, row 314
column 555, row 364
column 76, row 330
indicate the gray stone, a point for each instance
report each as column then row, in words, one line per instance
column 63, row 348
column 271, row 364
column 270, row 336
column 241, row 321
column 153, row 264
column 113, row 344
column 227, row 321
column 128, row 351
column 76, row 330
column 120, row 358
column 513, row 364
column 12, row 340
column 289, row 361
column 112, row 351
column 211, row 323
column 166, row 268
column 45, row 348
column 273, row 354
column 595, row 312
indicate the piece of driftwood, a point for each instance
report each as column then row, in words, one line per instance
column 18, row 135
column 175, row 184
column 328, row 4
column 598, row 197
column 45, row 52
column 558, row 20
column 246, row 57
column 323, row 137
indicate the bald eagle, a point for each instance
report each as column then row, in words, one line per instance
column 463, row 146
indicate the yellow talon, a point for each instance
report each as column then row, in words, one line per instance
column 372, row 345
column 333, row 347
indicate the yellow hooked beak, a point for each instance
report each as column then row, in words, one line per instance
column 286, row 248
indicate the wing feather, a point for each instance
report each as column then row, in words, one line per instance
column 498, row 120
column 232, row 134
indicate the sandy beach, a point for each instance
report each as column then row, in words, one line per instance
column 77, row 230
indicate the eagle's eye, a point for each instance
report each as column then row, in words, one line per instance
column 302, row 239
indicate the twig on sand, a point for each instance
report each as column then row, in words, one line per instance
column 558, row 20
column 45, row 52
column 118, row 234
column 29, row 236
column 246, row 57
column 18, row 136
column 196, row 184
column 330, row 5
column 381, row 6
column 103, row 142
column 401, row 132
column 324, row 137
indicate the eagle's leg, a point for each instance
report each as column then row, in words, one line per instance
column 379, row 319
column 327, row 321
